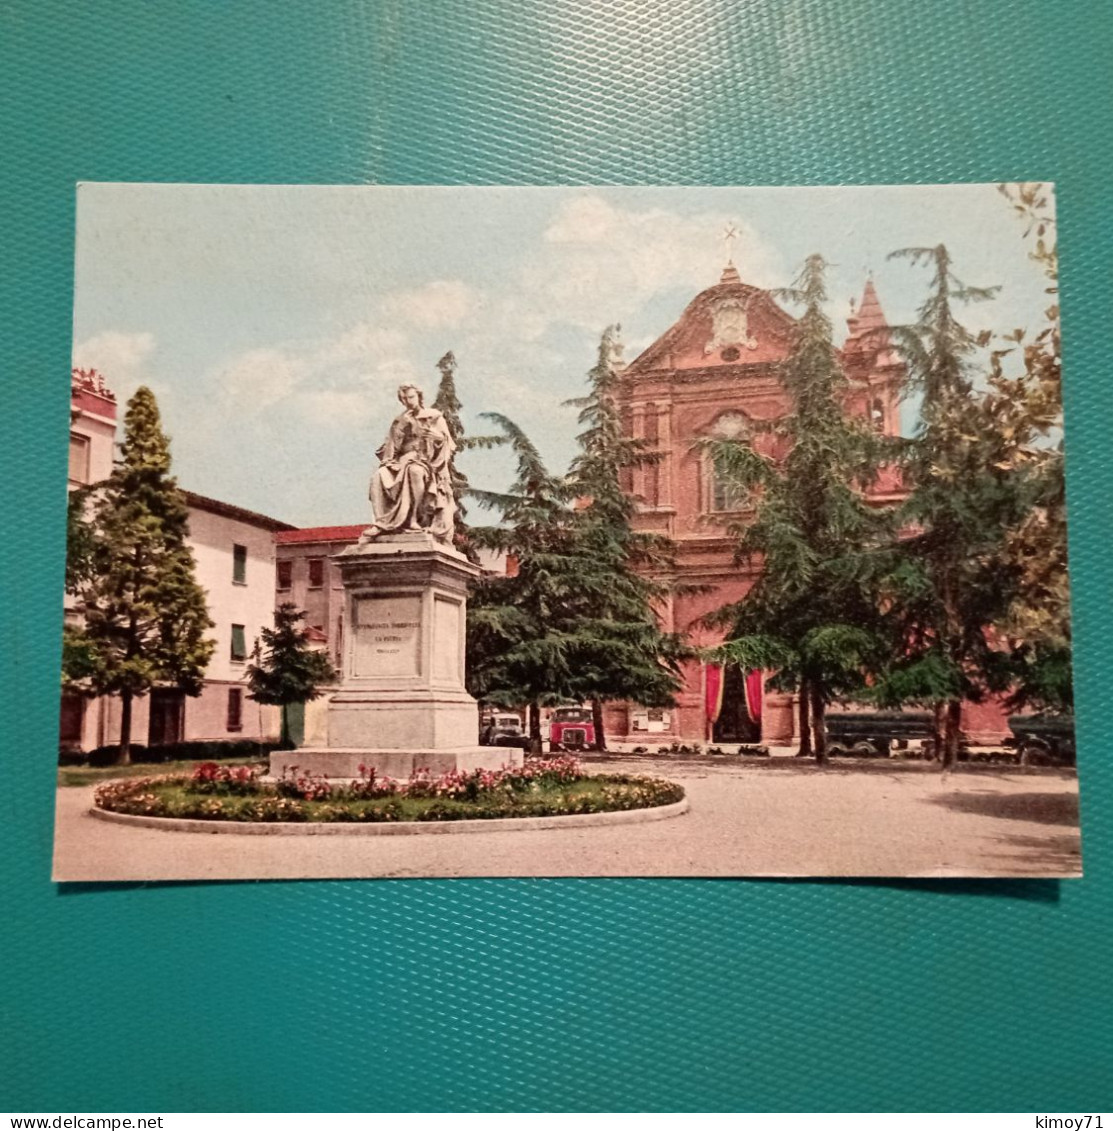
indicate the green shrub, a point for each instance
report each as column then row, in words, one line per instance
column 110, row 755
column 209, row 750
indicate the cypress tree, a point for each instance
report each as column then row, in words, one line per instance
column 448, row 404
column 812, row 613
column 132, row 571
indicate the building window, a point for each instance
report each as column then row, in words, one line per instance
column 724, row 494
column 79, row 458
column 316, row 573
column 235, row 708
column 239, row 565
column 285, row 574
column 239, row 642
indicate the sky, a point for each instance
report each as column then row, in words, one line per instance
column 275, row 323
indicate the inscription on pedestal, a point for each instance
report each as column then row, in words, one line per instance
column 388, row 637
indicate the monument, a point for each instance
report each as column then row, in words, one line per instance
column 402, row 703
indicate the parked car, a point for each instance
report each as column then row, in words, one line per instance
column 503, row 730
column 873, row 734
column 1043, row 740
column 571, row 728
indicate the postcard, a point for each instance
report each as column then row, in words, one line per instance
column 585, row 531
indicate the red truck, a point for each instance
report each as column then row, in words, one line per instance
column 571, row 728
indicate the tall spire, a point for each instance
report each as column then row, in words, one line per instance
column 867, row 324
column 870, row 315
column 869, row 341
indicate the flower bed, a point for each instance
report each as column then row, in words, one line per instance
column 553, row 787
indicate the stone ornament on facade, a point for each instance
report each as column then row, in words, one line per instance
column 411, row 489
column 730, row 326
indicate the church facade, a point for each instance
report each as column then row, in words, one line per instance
column 714, row 374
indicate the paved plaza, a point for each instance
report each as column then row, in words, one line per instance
column 772, row 819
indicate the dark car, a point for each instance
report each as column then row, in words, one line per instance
column 503, row 730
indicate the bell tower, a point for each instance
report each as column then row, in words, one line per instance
column 873, row 364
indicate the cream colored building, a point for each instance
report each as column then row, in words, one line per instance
column 234, row 550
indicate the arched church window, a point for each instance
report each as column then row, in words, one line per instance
column 877, row 415
column 726, row 495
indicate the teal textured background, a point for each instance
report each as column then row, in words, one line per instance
column 540, row 995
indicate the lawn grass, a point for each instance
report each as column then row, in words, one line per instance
column 94, row 775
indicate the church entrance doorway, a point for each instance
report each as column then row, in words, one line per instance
column 734, row 723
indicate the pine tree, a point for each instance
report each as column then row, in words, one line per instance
column 954, row 580
column 521, row 627
column 812, row 615
column 621, row 652
column 132, row 571
column 1029, row 407
column 286, row 670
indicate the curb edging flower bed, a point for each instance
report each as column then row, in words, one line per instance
column 395, row 828
column 547, row 793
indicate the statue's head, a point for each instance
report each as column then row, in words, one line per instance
column 406, row 394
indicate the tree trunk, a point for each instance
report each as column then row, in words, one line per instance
column 534, row 728
column 952, row 733
column 938, row 729
column 284, row 742
column 600, row 742
column 819, row 733
column 124, row 757
column 805, row 750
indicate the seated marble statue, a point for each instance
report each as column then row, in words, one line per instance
column 411, row 490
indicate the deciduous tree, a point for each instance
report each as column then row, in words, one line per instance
column 286, row 669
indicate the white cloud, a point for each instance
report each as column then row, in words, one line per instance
column 260, row 378
column 602, row 263
column 337, row 380
column 122, row 358
column 442, row 303
column 350, row 407
column 364, row 343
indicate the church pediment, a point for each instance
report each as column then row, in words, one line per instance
column 731, row 324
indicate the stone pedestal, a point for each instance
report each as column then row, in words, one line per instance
column 402, row 703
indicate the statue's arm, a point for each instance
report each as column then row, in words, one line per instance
column 445, row 445
column 388, row 451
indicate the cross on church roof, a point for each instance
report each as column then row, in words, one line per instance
column 730, row 234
